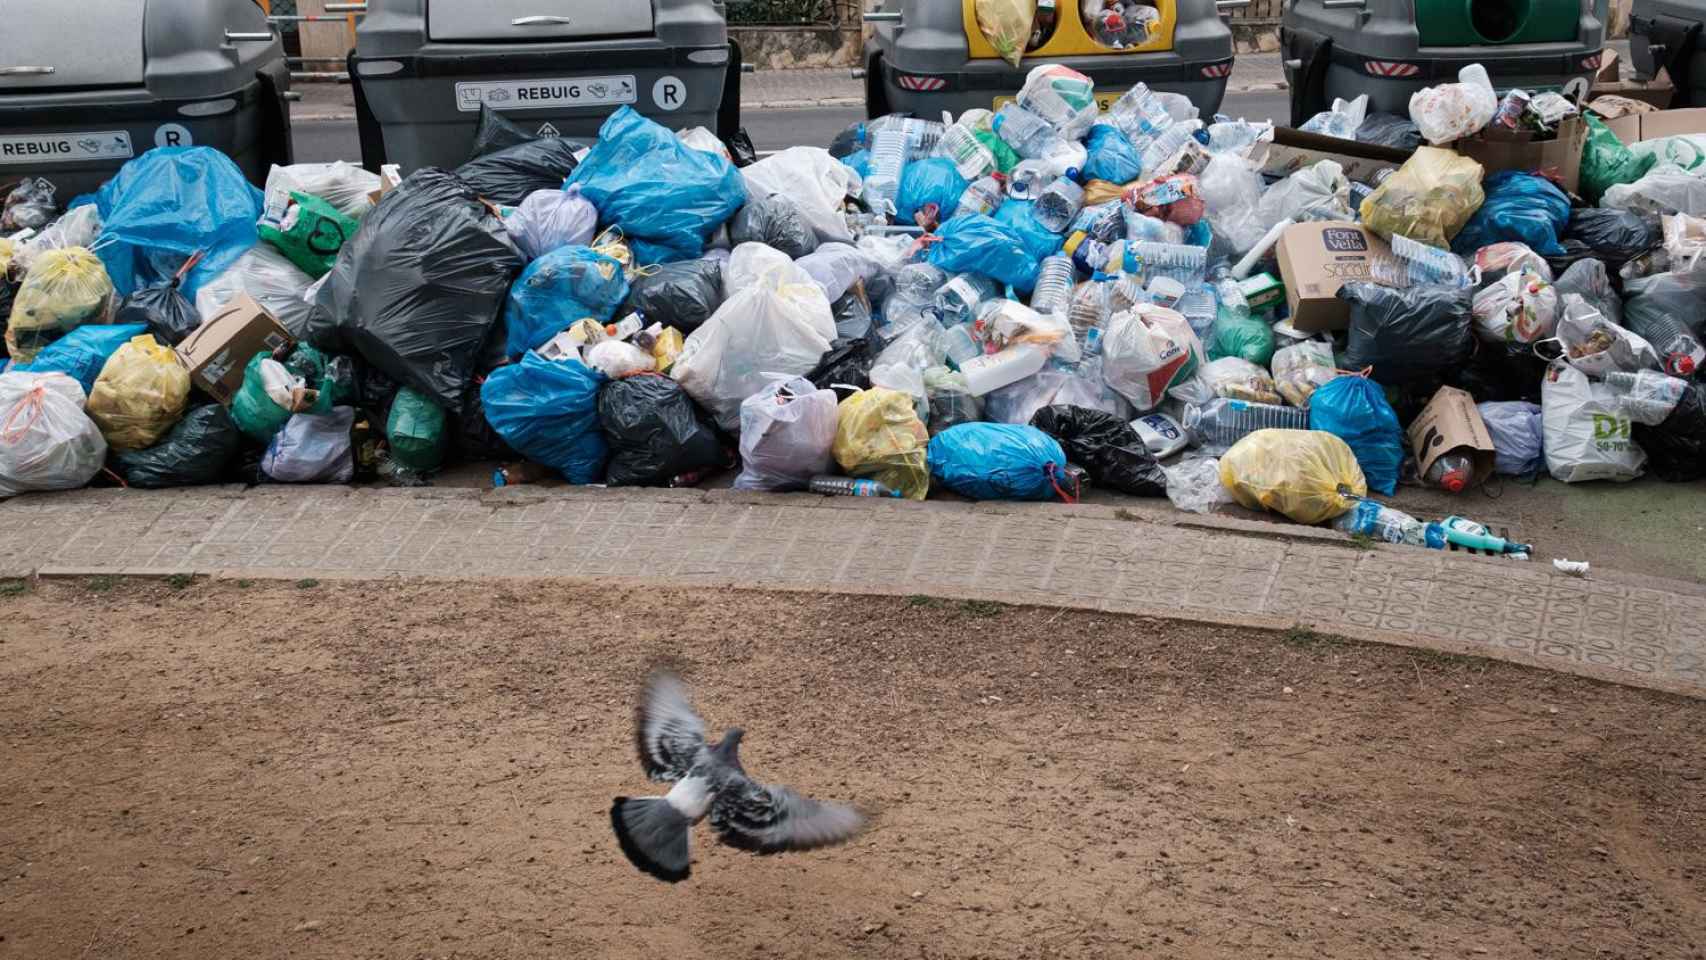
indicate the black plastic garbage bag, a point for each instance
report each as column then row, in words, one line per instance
column 853, row 313
column 496, row 132
column 1590, row 280
column 741, row 150
column 775, row 221
column 199, row 449
column 509, row 175
column 170, row 315
column 475, row 438
column 1407, row 335
column 1497, row 372
column 1676, row 448
column 682, row 295
column 1105, row 446
column 656, row 432
column 847, row 364
column 418, row 291
column 1608, row 234
column 1389, row 130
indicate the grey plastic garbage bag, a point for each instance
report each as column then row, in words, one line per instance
column 1519, row 438
column 776, row 221
column 312, row 448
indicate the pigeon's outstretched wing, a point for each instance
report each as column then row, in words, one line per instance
column 772, row 819
column 669, row 735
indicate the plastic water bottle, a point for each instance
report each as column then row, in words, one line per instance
column 1677, row 346
column 1647, row 396
column 1054, row 285
column 958, row 299
column 1222, row 422
column 985, row 195
column 1139, row 114
column 1418, row 263
column 1199, row 308
column 1028, row 134
column 850, row 487
column 1059, row 204
column 973, row 160
column 1088, row 315
column 1453, row 472
column 1167, row 143
column 1027, row 180
column 888, row 162
column 963, row 344
column 1380, row 522
column 1183, row 262
column 923, row 137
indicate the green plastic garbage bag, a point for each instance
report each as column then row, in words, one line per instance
column 310, row 234
column 270, row 393
column 1606, row 162
column 1238, row 334
column 415, row 431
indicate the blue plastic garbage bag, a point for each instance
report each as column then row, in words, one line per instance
column 1355, row 410
column 82, row 353
column 860, row 161
column 564, row 286
column 1519, row 443
column 548, row 411
column 933, row 180
column 975, row 243
column 167, row 204
column 664, row 194
column 1016, row 216
column 1112, row 157
column 1521, row 207
column 998, row 461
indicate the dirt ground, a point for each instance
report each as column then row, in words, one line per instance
column 368, row 770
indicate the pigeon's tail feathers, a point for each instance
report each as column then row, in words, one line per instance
column 653, row 834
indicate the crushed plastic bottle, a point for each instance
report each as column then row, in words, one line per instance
column 1140, row 115
column 958, row 299
column 1378, row 521
column 1028, row 134
column 1183, row 262
column 1679, row 348
column 985, row 195
column 971, row 158
column 1088, row 315
column 1199, row 309
column 888, row 163
column 1646, row 396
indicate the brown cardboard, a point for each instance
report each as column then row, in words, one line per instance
column 1659, row 91
column 1609, row 67
column 1451, row 421
column 219, row 349
column 1315, row 260
column 1563, row 154
column 1293, row 150
column 1671, row 123
column 390, row 175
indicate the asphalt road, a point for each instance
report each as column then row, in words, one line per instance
column 770, row 129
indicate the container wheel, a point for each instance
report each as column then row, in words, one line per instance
column 876, row 94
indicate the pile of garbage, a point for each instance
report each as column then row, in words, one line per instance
column 1012, row 305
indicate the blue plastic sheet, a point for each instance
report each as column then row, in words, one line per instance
column 997, row 461
column 666, row 196
column 932, row 180
column 1112, row 157
column 1519, row 443
column 564, row 286
column 167, row 204
column 975, row 243
column 82, row 353
column 1521, row 207
column 1355, row 410
column 548, row 411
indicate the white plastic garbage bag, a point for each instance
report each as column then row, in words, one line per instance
column 1596, row 346
column 902, row 363
column 775, row 323
column 1317, row 192
column 341, row 184
column 1147, row 351
column 1522, row 307
column 47, row 442
column 78, row 228
column 815, row 181
column 272, row 280
column 619, row 358
column 312, row 448
column 1452, row 111
column 837, row 267
column 547, row 220
column 1664, row 189
column 704, row 141
column 1342, row 120
column 787, row 432
column 1588, row 435
column 1232, row 197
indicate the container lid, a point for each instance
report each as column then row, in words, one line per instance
column 41, row 50
column 524, row 21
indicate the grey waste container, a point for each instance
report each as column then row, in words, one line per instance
column 423, row 68
column 1665, row 35
column 1389, row 49
column 928, row 56
column 87, row 84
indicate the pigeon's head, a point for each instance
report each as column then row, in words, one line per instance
column 729, row 749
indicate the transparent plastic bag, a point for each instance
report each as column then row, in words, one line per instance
column 619, row 358
column 548, row 220
column 1232, row 196
column 1301, row 369
column 1429, row 199
column 813, row 180
column 344, row 185
column 1309, row 476
column 1661, row 190
column 1520, row 308
column 1238, row 379
column 47, row 442
column 1342, row 121
column 78, row 228
column 787, row 432
column 30, row 205
column 1596, row 346
column 67, row 289
column 270, row 279
column 879, row 436
column 312, row 448
column 139, row 395
column 1193, row 485
column 1316, row 192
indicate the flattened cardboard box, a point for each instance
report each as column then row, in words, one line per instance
column 1293, row 150
column 1315, row 260
column 218, row 351
column 1449, row 421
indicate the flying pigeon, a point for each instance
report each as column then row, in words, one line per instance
column 709, row 780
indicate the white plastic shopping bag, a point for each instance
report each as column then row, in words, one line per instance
column 1588, row 435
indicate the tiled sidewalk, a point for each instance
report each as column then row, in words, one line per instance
column 1094, row 557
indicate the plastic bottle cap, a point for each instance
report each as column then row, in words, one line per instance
column 996, row 123
column 1454, row 482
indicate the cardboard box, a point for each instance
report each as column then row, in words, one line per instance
column 1451, row 421
column 1633, row 126
column 390, row 175
column 1499, row 150
column 1292, row 150
column 219, row 349
column 1315, row 260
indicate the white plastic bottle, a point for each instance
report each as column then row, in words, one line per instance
column 992, row 371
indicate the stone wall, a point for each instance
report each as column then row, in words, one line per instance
column 784, row 48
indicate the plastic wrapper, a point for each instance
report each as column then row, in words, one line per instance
column 509, row 175
column 312, row 448
column 1000, row 461
column 1296, row 473
column 930, row 191
column 779, row 324
column 140, row 393
column 82, row 353
column 656, row 433
column 787, row 431
column 199, row 449
column 1676, row 448
column 1238, row 379
column 30, row 205
column 1111, row 156
column 1343, row 120
column 1147, row 351
column 837, row 267
column 1661, row 190
column 270, row 280
column 1606, row 162
column 1319, row 191
column 951, row 400
column 167, row 205
column 420, row 289
column 1519, row 444
column 310, row 233
column 1006, row 24
column 548, row 220
column 415, row 430
column 1520, row 308
column 47, row 441
column 1589, row 280
column 1587, row 434
column 816, row 182
column 1684, row 240
column 1062, row 96
column 878, row 436
column 67, row 289
column 1355, row 410
column 1106, row 446
column 1452, row 111
column 681, row 295
column 1389, row 130
column 1518, row 206
column 1407, row 335
column 548, row 412
column 975, row 243
column 1176, row 199
column 557, row 290
column 775, row 221
column 344, row 185
column 1193, row 485
column 1232, row 195
column 1301, row 369
column 1429, row 199
column 78, row 228
column 666, row 197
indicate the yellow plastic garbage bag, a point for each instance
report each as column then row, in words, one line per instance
column 139, row 395
column 1297, row 473
column 1429, row 199
column 64, row 289
column 878, row 436
column 1006, row 24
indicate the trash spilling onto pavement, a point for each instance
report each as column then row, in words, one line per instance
column 1025, row 304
